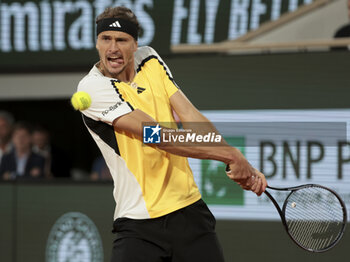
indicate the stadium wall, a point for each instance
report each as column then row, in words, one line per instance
column 29, row 212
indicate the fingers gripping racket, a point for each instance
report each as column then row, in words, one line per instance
column 314, row 216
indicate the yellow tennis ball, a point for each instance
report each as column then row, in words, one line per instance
column 81, row 100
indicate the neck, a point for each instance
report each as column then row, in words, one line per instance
column 127, row 75
column 22, row 152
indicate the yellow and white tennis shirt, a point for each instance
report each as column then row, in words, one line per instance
column 148, row 182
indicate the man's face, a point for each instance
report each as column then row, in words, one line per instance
column 40, row 139
column 22, row 139
column 116, row 50
column 5, row 130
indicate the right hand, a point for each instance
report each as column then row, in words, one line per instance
column 257, row 183
column 240, row 170
column 246, row 176
column 6, row 176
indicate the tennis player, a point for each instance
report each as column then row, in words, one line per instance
column 159, row 214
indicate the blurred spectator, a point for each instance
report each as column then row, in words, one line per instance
column 6, row 125
column 57, row 163
column 22, row 162
column 343, row 31
column 100, row 170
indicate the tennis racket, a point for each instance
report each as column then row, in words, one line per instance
column 314, row 216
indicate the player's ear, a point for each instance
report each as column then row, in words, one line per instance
column 135, row 45
column 97, row 45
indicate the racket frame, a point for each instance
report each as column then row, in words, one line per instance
column 283, row 218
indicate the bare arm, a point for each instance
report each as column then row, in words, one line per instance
column 241, row 171
column 190, row 116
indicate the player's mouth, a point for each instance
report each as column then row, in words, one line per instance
column 115, row 61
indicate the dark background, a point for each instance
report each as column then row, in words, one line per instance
column 214, row 82
column 161, row 13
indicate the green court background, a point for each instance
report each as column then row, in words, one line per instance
column 29, row 210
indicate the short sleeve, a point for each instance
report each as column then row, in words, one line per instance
column 107, row 104
column 169, row 83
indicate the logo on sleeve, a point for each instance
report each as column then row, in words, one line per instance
column 111, row 108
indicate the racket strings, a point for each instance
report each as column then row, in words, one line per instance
column 314, row 217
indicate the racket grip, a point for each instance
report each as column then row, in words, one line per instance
column 227, row 169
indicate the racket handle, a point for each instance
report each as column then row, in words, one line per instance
column 228, row 171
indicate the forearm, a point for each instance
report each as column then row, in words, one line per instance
column 224, row 154
column 192, row 119
column 217, row 150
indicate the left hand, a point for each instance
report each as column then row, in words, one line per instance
column 35, row 172
column 256, row 183
column 259, row 183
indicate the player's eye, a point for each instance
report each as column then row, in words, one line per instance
column 121, row 39
column 105, row 38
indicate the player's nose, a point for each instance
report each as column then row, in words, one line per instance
column 114, row 47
